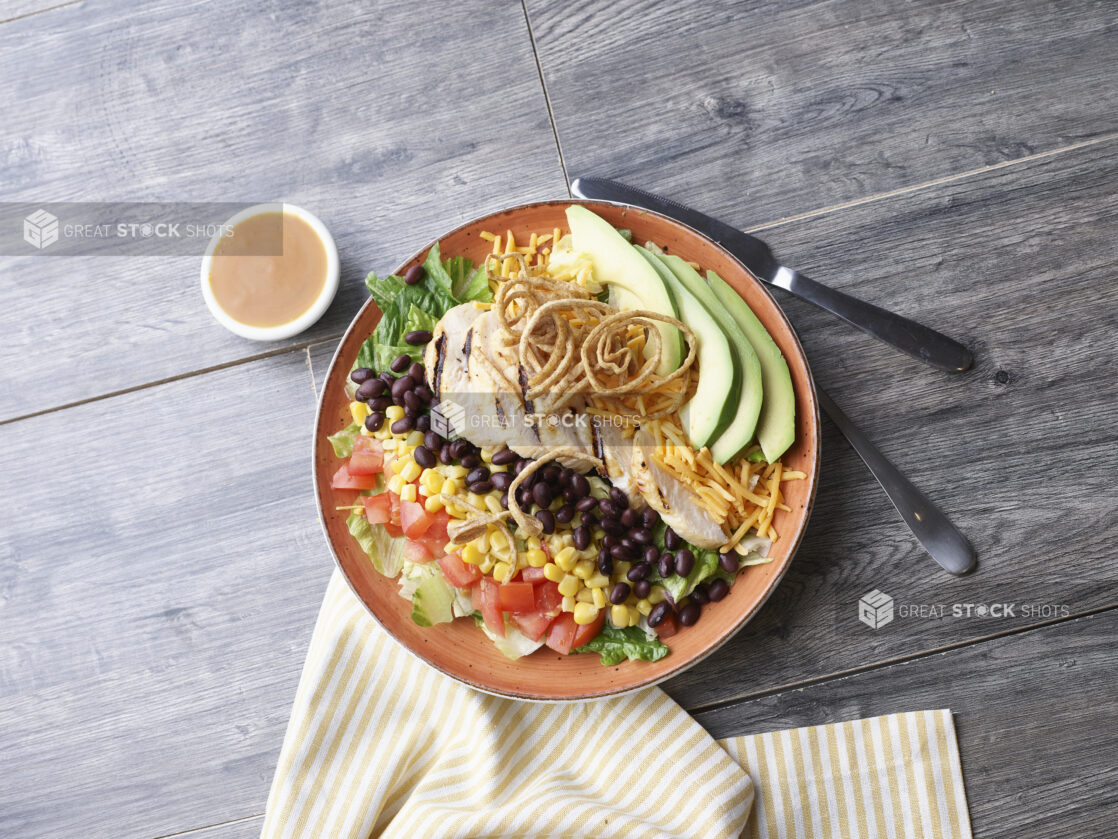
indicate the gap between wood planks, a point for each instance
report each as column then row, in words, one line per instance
column 191, row 830
column 546, row 98
column 40, row 11
column 889, row 662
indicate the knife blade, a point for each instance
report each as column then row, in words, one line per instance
column 915, row 339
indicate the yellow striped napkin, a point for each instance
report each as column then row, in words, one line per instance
column 379, row 745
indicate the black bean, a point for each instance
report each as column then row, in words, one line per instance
column 609, row 540
column 479, row 473
column 458, row 448
column 381, row 403
column 547, row 520
column 361, row 375
column 629, row 517
column 469, row 461
column 565, row 513
column 523, row 497
column 402, row 425
column 621, row 552
column 660, row 613
column 700, row 594
column 374, row 421
column 641, row 536
column 689, row 614
column 521, row 465
column 424, row 457
column 505, row 500
column 551, row 473
column 651, row 554
column 619, row 593
column 649, row 518
column 729, row 562
column 416, row 372
column 541, row 494
column 565, row 476
column 423, row 423
column 369, row 390
column 387, row 378
column 684, row 561
column 609, row 509
column 581, row 537
column 605, row 561
column 570, row 496
column 424, row 393
column 585, row 505
column 414, row 275
column 480, row 487
column 630, row 545
column 418, row 337
column 672, row 541
column 412, row 402
column 613, row 526
column 642, row 588
column 501, row 480
column 445, row 456
column 639, row 571
column 718, row 589
column 402, row 386
column 504, row 457
column 589, row 519
column 619, row 497
column 400, row 363
column 666, row 565
column 580, row 485
column 433, row 441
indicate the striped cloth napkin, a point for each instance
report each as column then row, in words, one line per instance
column 380, row 745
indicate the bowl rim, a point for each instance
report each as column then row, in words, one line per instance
column 745, row 617
column 321, row 303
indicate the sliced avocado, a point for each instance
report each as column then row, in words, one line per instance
column 776, row 428
column 633, row 283
column 712, row 407
column 739, row 433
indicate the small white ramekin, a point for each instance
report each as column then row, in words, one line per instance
column 305, row 320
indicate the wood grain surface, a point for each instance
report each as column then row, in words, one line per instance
column 389, row 131
column 159, row 582
column 1037, row 731
column 758, row 111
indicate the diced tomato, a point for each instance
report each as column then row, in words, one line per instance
column 394, row 509
column 435, row 543
column 457, row 572
column 414, row 519
column 366, row 463
column 361, row 443
column 561, row 635
column 437, row 527
column 548, row 599
column 376, row 508
column 584, row 633
column 484, row 597
column 516, row 597
column 668, row 628
column 417, row 552
column 532, row 575
column 393, row 530
column 532, row 624
column 344, row 480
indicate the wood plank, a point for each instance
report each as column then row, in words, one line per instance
column 247, row 828
column 1034, row 714
column 761, row 111
column 158, row 596
column 391, row 131
column 1019, row 451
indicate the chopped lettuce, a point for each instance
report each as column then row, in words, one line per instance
column 515, row 644
column 476, row 286
column 386, row 553
column 343, row 440
column 706, row 566
column 418, row 319
column 632, row 643
column 433, row 601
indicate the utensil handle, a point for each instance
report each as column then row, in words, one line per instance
column 906, row 335
column 928, row 523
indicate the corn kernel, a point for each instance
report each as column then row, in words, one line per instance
column 411, row 470
column 550, row 570
column 359, row 411
column 432, row 480
column 455, row 511
column 455, row 471
column 497, row 539
column 536, row 558
column 644, row 607
column 584, row 596
column 397, row 465
column 433, row 504
column 585, row 613
column 657, row 595
column 502, row 572
column 414, row 439
column 567, row 562
column 584, row 568
column 569, row 585
column 565, row 554
column 634, row 617
column 394, row 412
column 621, row 569
column 486, row 565
column 599, row 596
column 482, row 542
column 487, row 455
column 475, row 499
column 450, row 486
column 382, row 433
column 597, row 581
column 395, row 483
column 407, row 492
column 569, row 604
column 534, row 542
column 492, row 502
column 471, row 554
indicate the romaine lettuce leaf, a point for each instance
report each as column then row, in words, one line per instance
column 386, row 553
column 632, row 643
column 342, row 441
column 418, row 319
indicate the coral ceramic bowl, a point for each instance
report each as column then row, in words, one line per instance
column 459, row 649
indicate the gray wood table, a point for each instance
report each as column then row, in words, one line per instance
column 160, row 560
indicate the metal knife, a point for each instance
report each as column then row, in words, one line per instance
column 917, row 340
